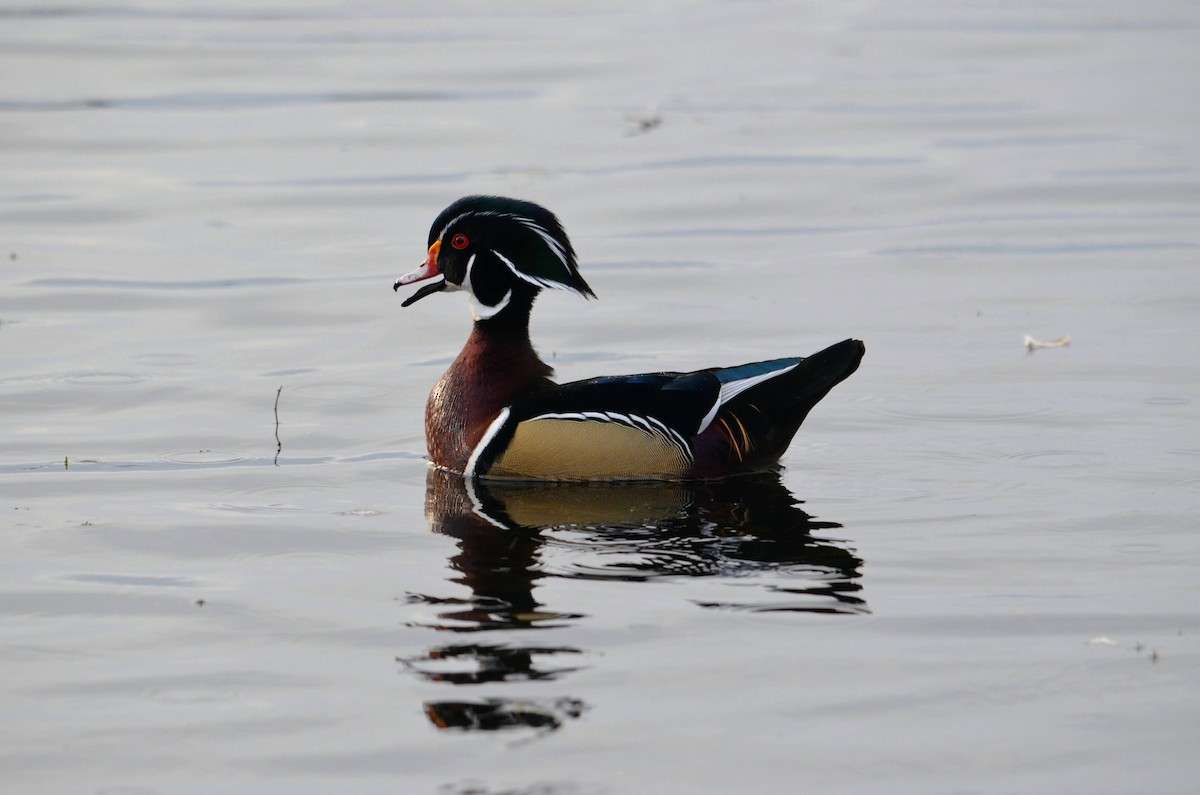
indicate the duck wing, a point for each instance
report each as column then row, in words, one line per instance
column 660, row 426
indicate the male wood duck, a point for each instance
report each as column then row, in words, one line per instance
column 497, row 414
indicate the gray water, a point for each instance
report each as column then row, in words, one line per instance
column 222, row 568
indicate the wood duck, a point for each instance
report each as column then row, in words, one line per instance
column 496, row 413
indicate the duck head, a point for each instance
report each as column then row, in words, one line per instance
column 500, row 251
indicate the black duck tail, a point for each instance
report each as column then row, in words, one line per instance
column 761, row 421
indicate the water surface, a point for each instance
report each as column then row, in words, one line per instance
column 226, row 566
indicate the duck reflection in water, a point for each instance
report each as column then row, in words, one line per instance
column 511, row 535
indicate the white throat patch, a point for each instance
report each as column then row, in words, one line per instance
column 483, row 312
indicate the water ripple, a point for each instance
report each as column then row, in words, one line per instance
column 140, row 580
column 752, row 161
column 949, row 409
column 146, row 284
column 1059, row 459
column 105, row 379
column 1038, row 249
column 232, row 100
column 339, row 392
column 165, row 359
column 207, row 457
column 197, row 459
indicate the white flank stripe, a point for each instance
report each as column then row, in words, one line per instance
column 678, row 440
column 661, row 426
column 641, row 422
column 648, row 425
column 596, row 416
column 488, row 435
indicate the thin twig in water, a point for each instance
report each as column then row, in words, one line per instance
column 278, row 443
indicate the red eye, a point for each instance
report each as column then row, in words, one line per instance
column 460, row 241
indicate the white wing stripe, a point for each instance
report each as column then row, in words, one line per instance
column 708, row 418
column 735, row 388
column 732, row 389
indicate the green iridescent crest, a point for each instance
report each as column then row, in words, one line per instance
column 525, row 237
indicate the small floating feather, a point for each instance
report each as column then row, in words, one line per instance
column 1032, row 344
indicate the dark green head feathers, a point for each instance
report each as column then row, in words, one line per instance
column 491, row 247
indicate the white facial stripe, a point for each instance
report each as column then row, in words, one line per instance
column 516, row 272
column 549, row 284
column 554, row 245
column 455, row 220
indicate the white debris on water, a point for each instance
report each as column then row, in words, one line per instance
column 1032, row 344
